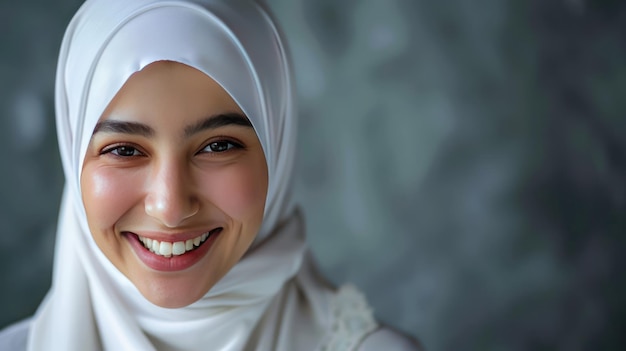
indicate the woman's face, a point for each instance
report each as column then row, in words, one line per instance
column 174, row 183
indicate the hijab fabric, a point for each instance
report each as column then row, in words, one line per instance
column 271, row 299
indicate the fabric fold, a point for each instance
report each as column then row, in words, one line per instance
column 271, row 299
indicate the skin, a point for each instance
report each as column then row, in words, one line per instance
column 170, row 182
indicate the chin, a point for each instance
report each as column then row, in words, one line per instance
column 171, row 291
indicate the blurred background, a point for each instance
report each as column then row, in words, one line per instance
column 463, row 163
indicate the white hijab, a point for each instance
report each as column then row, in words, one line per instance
column 272, row 299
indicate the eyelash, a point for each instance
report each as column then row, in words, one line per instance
column 114, row 150
column 117, row 147
column 230, row 145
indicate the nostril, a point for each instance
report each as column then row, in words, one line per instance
column 171, row 212
column 170, row 196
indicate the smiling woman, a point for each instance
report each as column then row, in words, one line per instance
column 173, row 199
column 176, row 125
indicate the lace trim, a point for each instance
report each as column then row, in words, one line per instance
column 352, row 319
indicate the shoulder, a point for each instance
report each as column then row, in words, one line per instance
column 13, row 337
column 385, row 338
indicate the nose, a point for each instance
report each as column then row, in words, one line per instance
column 171, row 198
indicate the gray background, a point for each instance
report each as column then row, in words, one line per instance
column 462, row 162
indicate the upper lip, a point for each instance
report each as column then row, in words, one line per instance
column 170, row 236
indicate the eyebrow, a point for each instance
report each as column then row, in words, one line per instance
column 113, row 126
column 211, row 122
column 216, row 121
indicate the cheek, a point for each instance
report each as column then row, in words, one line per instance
column 240, row 191
column 107, row 194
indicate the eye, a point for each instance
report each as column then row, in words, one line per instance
column 123, row 151
column 221, row 146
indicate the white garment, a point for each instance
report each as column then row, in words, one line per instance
column 271, row 299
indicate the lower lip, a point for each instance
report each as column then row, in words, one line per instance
column 172, row 263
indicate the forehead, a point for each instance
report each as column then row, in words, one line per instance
column 166, row 88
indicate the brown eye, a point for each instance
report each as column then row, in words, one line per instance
column 124, row 151
column 220, row 146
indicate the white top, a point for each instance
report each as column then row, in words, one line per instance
column 13, row 338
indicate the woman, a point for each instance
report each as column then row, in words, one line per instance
column 176, row 125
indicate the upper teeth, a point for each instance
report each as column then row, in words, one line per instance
column 167, row 249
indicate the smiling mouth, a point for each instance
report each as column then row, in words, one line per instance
column 169, row 249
